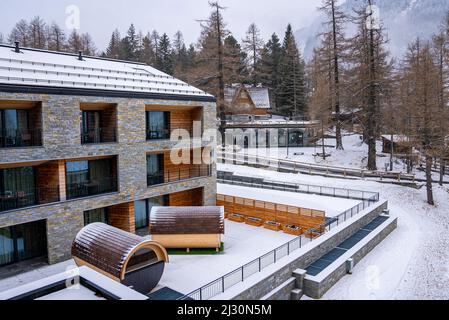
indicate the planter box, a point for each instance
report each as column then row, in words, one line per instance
column 237, row 218
column 293, row 230
column 271, row 225
column 254, row 222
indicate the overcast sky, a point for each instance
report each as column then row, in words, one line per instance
column 101, row 17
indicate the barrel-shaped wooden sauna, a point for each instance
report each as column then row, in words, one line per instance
column 122, row 256
column 187, row 227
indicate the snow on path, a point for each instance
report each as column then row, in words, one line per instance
column 412, row 263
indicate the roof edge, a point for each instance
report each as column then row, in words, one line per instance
column 74, row 55
column 64, row 91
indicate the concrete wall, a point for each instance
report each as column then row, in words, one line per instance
column 62, row 140
column 315, row 288
column 276, row 279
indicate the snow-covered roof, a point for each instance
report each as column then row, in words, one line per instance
column 49, row 69
column 259, row 95
column 396, row 138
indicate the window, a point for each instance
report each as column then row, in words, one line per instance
column 88, row 178
column 158, row 125
column 97, row 215
column 155, row 169
column 14, row 128
column 143, row 210
column 17, row 188
column 22, row 242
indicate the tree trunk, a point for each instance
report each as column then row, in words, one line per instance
column 442, row 165
column 338, row 137
column 221, row 85
column 429, row 180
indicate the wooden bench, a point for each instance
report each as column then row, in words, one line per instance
column 252, row 221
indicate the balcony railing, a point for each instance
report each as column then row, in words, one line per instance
column 91, row 188
column 98, row 135
column 12, row 200
column 20, row 138
column 164, row 133
column 176, row 175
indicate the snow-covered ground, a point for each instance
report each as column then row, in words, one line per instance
column 354, row 155
column 242, row 243
column 412, row 263
column 332, row 206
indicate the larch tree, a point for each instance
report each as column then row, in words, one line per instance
column 20, row 33
column 370, row 76
column 37, row 34
column 336, row 43
column 56, row 38
column 420, row 70
column 74, row 42
column 253, row 44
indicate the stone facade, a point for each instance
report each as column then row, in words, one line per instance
column 62, row 141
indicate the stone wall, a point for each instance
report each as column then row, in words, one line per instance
column 62, row 140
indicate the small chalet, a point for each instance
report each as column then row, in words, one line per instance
column 247, row 100
column 401, row 144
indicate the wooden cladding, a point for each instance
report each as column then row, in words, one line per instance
column 122, row 216
column 189, row 198
column 266, row 211
column 186, row 220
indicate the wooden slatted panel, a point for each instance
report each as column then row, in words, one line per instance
column 186, row 220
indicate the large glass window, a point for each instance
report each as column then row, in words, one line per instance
column 14, row 128
column 158, row 125
column 87, row 178
column 155, row 169
column 97, row 215
column 143, row 210
column 22, row 242
column 91, row 128
column 17, row 188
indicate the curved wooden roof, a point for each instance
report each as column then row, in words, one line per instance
column 109, row 249
column 186, row 220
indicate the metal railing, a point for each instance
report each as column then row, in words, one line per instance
column 230, row 178
column 20, row 138
column 302, row 167
column 91, row 188
column 12, row 200
column 240, row 274
column 176, row 175
column 157, row 133
column 99, row 135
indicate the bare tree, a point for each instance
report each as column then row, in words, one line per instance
column 20, row 33
column 37, row 34
column 56, row 38
column 334, row 36
column 253, row 44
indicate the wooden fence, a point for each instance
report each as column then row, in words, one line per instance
column 284, row 215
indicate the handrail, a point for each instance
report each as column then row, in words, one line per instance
column 230, row 279
column 245, row 158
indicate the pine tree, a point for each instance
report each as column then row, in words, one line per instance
column 235, row 70
column 164, row 59
column 292, row 95
column 252, row 44
column 129, row 45
column 147, row 54
column 113, row 50
column 269, row 68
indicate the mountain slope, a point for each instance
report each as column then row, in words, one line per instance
column 404, row 21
